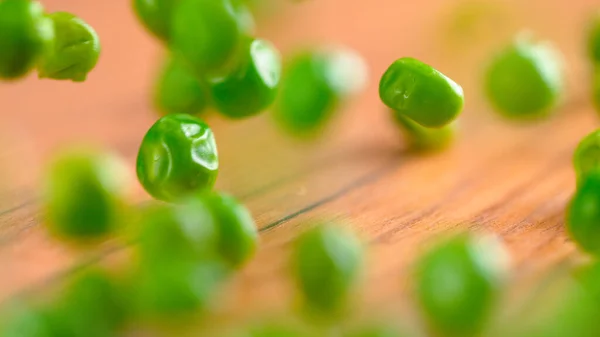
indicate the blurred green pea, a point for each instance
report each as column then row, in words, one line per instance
column 23, row 321
column 274, row 330
column 376, row 330
column 326, row 263
column 346, row 71
column 177, row 287
column 177, row 157
column 237, row 235
column 244, row 15
column 596, row 89
column 421, row 93
column 458, row 282
column 588, row 278
column 156, row 16
column 306, row 99
column 525, row 80
column 179, row 267
column 593, row 39
column 583, row 214
column 178, row 90
column 74, row 51
column 26, row 320
column 92, row 305
column 421, row 139
column 176, row 232
column 313, row 85
column 586, row 158
column 252, row 86
column 24, row 33
column 573, row 314
column 84, row 194
column 208, row 34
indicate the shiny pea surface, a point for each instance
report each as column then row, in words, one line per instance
column 421, row 93
column 177, row 157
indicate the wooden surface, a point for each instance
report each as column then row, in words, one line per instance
column 500, row 177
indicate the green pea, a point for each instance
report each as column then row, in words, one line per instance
column 84, row 196
column 92, row 305
column 596, row 89
column 576, row 317
column 176, row 287
column 457, row 284
column 24, row 32
column 326, row 263
column 179, row 268
column 244, row 16
column 379, row 330
column 525, row 81
column 421, row 93
column 583, row 214
column 74, row 51
column 251, row 88
column 587, row 155
column 588, row 276
column 306, row 98
column 574, row 314
column 177, row 157
column 178, row 90
column 207, row 33
column 422, row 139
column 182, row 232
column 593, row 39
column 29, row 321
column 313, row 85
column 156, row 16
column 273, row 330
column 237, row 235
column 346, row 71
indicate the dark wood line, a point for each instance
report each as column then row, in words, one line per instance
column 362, row 181
column 9, row 234
column 24, row 204
column 328, row 161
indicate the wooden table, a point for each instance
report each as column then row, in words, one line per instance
column 500, row 177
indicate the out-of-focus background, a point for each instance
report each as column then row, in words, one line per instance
column 501, row 177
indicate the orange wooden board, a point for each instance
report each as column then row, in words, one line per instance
column 500, row 177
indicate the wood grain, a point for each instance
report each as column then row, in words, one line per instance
column 500, row 177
